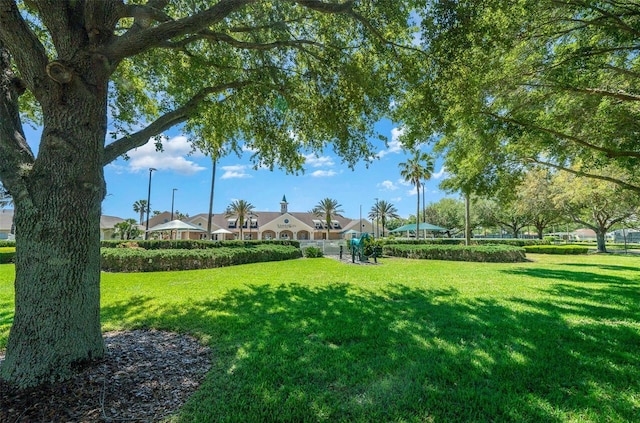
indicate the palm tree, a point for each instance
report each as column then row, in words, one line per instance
column 416, row 169
column 240, row 209
column 140, row 206
column 127, row 229
column 327, row 209
column 383, row 211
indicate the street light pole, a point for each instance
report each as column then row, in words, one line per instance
column 172, row 197
column 424, row 209
column 146, row 234
column 377, row 214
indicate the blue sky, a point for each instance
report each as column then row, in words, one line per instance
column 325, row 176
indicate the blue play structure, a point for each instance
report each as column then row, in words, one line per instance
column 357, row 247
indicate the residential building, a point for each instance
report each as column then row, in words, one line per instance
column 270, row 225
column 304, row 226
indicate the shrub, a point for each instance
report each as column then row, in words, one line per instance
column 141, row 260
column 373, row 247
column 129, row 244
column 313, row 252
column 7, row 255
column 557, row 249
column 197, row 244
column 475, row 241
column 487, row 253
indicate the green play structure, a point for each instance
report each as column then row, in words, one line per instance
column 357, row 247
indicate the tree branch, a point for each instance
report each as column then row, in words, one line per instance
column 620, row 95
column 17, row 157
column 607, row 151
column 225, row 38
column 604, row 16
column 619, row 182
column 164, row 122
column 376, row 33
column 144, row 15
column 321, row 6
column 137, row 40
column 27, row 51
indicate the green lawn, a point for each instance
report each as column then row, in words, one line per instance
column 552, row 340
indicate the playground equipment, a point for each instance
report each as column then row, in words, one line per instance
column 357, row 247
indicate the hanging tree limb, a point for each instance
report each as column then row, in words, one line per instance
column 164, row 122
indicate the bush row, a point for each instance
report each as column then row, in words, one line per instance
column 192, row 244
column 487, row 253
column 7, row 254
column 557, row 249
column 474, row 241
column 140, row 260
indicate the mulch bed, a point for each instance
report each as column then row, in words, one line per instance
column 145, row 376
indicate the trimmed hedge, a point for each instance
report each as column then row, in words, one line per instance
column 474, row 241
column 313, row 252
column 141, row 260
column 7, row 254
column 193, row 244
column 556, row 249
column 487, row 253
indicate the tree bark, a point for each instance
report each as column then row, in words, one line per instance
column 467, row 219
column 600, row 240
column 58, row 240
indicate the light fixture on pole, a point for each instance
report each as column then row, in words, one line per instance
column 146, row 234
column 172, row 198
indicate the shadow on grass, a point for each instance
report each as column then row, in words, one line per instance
column 6, row 314
column 6, row 320
column 614, row 267
column 572, row 276
column 342, row 353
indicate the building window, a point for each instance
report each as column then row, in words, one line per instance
column 232, row 223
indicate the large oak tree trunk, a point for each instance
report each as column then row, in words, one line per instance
column 58, row 242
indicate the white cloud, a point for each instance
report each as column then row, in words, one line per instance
column 235, row 172
column 387, row 185
column 395, row 146
column 440, row 174
column 323, row 173
column 396, row 133
column 248, row 149
column 315, row 161
column 174, row 157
